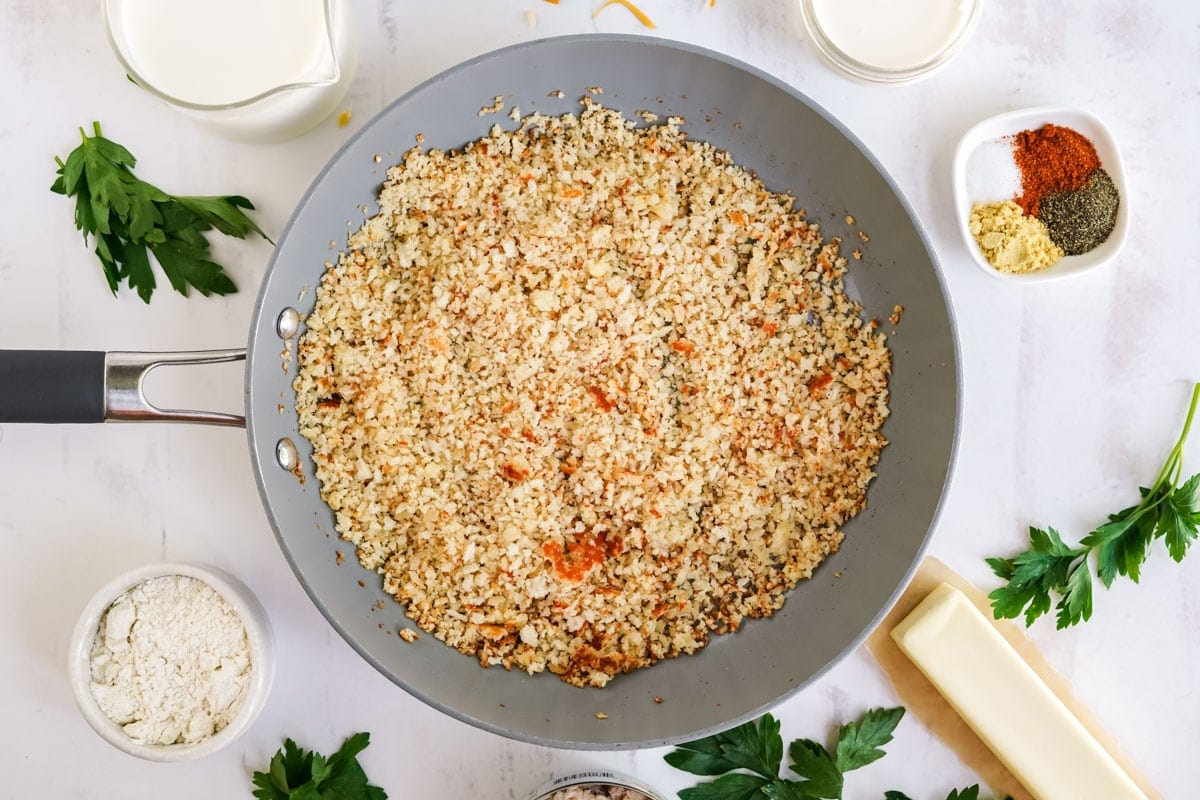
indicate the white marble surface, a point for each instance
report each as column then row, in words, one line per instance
column 1073, row 391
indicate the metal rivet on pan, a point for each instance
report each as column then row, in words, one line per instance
column 287, row 324
column 286, row 454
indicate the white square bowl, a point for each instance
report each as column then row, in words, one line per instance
column 1032, row 118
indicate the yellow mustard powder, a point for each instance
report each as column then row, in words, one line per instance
column 1011, row 241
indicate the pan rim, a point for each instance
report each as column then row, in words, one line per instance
column 939, row 508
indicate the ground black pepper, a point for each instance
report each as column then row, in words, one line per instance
column 1081, row 220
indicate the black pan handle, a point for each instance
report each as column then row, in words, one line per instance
column 51, row 386
column 76, row 386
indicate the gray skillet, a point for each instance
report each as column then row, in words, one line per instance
column 769, row 128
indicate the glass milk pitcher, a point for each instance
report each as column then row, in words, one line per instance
column 261, row 70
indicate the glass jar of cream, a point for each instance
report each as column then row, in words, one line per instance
column 262, row 70
column 889, row 41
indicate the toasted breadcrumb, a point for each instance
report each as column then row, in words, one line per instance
column 600, row 395
column 496, row 107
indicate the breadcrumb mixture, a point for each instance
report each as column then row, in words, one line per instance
column 586, row 394
column 595, row 791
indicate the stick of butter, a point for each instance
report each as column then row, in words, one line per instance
column 1008, row 706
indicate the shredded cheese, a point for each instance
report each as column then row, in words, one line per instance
column 637, row 12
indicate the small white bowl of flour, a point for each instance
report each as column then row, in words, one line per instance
column 172, row 661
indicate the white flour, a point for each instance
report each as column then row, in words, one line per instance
column 171, row 661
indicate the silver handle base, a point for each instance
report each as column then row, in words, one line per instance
column 125, row 399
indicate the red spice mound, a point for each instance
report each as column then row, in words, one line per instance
column 1052, row 159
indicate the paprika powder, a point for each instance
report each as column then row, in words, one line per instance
column 1052, row 159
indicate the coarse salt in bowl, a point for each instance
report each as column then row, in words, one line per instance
column 980, row 174
column 261, row 668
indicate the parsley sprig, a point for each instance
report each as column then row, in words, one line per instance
column 297, row 774
column 1168, row 510
column 757, row 747
column 130, row 218
column 969, row 793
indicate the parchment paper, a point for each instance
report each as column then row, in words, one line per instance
column 923, row 701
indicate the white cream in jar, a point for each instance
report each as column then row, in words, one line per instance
column 256, row 69
column 893, row 36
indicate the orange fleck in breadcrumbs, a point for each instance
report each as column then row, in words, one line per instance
column 515, row 472
column 602, row 401
column 816, row 387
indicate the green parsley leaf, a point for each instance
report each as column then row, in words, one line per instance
column 1076, row 602
column 812, row 761
column 859, row 742
column 786, row 790
column 223, row 213
column 1121, row 543
column 734, row 786
column 758, row 747
column 969, row 793
column 1179, row 523
column 187, row 265
column 1034, row 574
column 701, row 757
column 297, row 774
column 128, row 217
column 1168, row 510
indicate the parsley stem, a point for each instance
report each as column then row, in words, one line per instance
column 1173, row 467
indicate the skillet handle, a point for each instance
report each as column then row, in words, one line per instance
column 72, row 386
column 51, row 386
